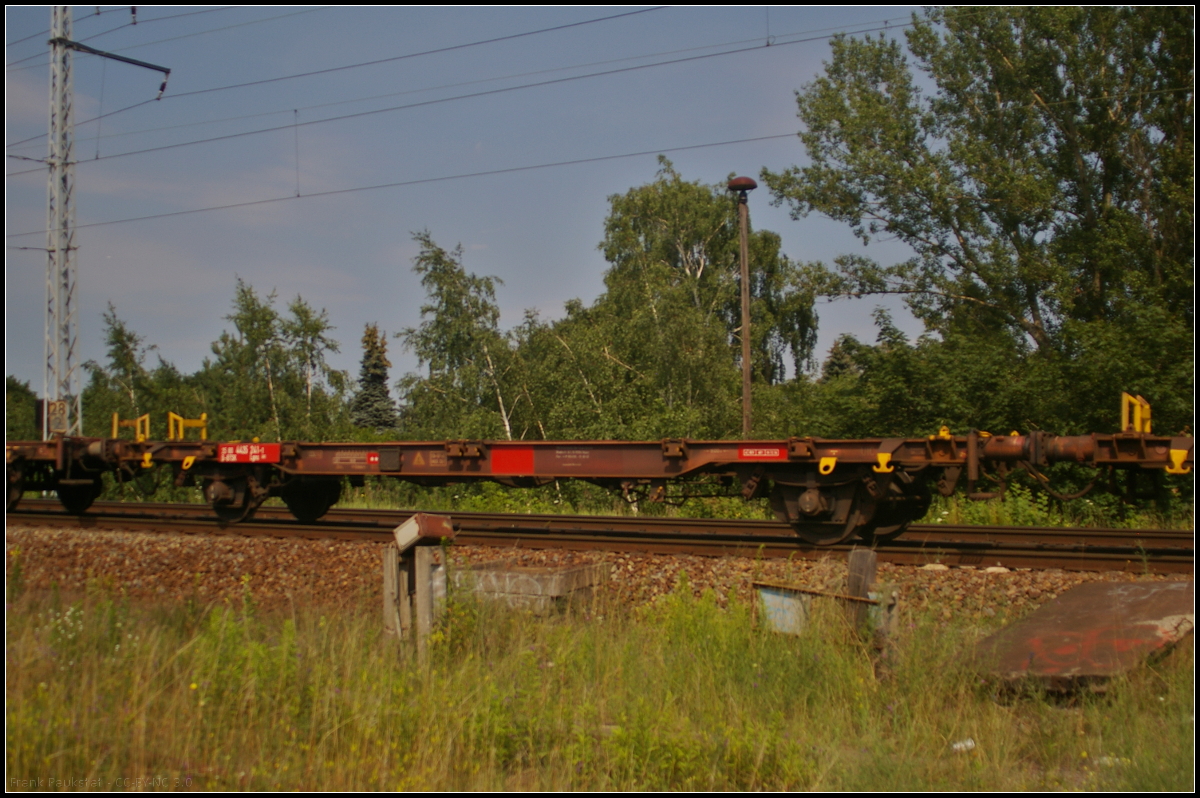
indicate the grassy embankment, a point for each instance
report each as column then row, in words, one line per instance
column 681, row 695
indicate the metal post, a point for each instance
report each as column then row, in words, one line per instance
column 62, row 376
column 62, row 382
column 742, row 185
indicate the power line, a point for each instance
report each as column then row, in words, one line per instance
column 225, row 27
column 154, row 19
column 368, row 63
column 173, row 38
column 294, row 125
column 157, row 19
column 413, row 55
column 93, row 119
column 426, row 103
column 442, row 86
column 420, row 181
column 47, row 31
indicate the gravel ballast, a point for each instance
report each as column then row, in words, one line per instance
column 279, row 572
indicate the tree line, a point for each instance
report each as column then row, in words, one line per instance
column 1038, row 163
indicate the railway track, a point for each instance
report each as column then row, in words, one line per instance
column 1071, row 548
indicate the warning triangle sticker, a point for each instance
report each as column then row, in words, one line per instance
column 419, row 460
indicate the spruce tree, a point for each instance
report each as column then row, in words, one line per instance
column 372, row 407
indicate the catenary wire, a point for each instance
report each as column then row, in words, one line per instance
column 531, row 85
column 425, row 103
column 171, row 38
column 392, row 59
column 369, row 63
column 419, row 181
column 37, row 139
column 161, row 19
column 46, row 32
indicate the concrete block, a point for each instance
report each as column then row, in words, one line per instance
column 541, row 590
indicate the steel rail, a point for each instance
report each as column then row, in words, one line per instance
column 1073, row 548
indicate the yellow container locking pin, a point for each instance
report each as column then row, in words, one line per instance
column 187, row 462
column 883, row 466
column 147, row 460
column 826, row 465
column 1135, row 414
column 1177, row 457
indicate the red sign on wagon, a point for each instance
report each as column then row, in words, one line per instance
column 248, row 453
column 762, row 453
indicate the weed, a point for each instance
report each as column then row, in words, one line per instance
column 681, row 695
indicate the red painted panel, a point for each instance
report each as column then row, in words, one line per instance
column 762, row 453
column 515, row 460
column 248, row 453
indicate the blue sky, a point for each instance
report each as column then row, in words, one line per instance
column 172, row 278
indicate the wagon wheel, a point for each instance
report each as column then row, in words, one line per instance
column 16, row 486
column 223, row 497
column 308, row 501
column 875, row 534
column 905, row 504
column 784, row 501
column 76, row 499
column 823, row 534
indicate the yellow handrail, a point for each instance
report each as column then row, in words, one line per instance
column 141, row 426
column 177, row 424
column 1135, row 414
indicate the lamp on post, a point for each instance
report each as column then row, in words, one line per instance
column 743, row 185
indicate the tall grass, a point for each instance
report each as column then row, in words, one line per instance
column 681, row 695
column 1023, row 506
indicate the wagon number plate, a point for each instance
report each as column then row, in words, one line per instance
column 248, row 453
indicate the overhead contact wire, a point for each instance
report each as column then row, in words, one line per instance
column 419, row 181
column 436, row 88
column 363, row 64
column 426, row 103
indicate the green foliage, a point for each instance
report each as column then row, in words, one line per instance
column 306, row 332
column 372, row 406
column 655, row 355
column 268, row 377
column 20, row 411
column 1045, row 187
column 467, row 392
column 681, row 695
column 673, row 245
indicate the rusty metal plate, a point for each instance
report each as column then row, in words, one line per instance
column 1095, row 630
column 423, row 529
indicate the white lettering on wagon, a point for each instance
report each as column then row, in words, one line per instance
column 350, row 458
column 248, row 453
column 762, row 453
column 571, row 458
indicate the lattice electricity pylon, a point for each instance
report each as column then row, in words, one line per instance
column 62, row 384
column 63, row 381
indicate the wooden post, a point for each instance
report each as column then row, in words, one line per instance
column 405, row 599
column 423, row 598
column 859, row 583
column 408, row 600
column 392, row 596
